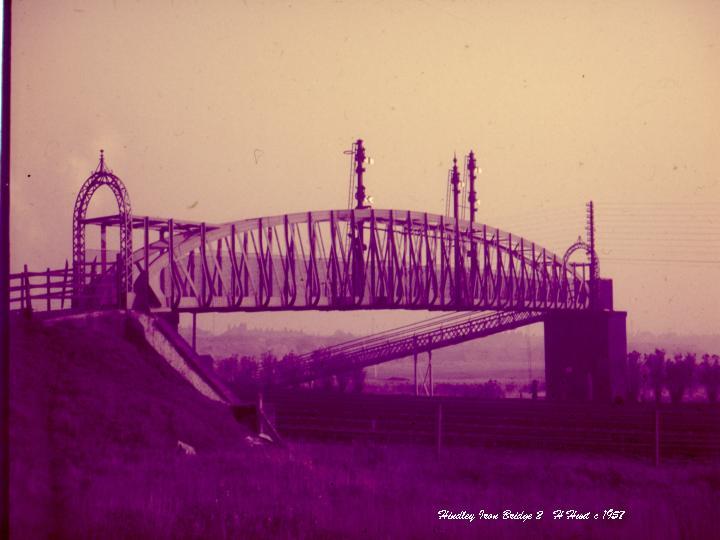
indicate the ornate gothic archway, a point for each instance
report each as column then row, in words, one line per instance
column 102, row 176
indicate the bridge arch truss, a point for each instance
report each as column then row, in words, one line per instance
column 358, row 259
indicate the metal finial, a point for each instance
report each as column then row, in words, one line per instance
column 101, row 168
column 454, row 173
column 455, row 167
column 101, row 163
column 471, row 164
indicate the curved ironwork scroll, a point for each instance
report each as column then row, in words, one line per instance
column 577, row 246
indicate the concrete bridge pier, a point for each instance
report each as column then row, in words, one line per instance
column 586, row 356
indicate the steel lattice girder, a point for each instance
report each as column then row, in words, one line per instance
column 363, row 353
column 360, row 259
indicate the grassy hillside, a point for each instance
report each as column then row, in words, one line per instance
column 86, row 401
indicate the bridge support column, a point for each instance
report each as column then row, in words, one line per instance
column 415, row 371
column 415, row 359
column 194, row 332
column 430, row 372
column 586, row 355
column 103, row 248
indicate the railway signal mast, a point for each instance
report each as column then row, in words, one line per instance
column 472, row 171
column 356, row 190
column 357, row 169
column 459, row 264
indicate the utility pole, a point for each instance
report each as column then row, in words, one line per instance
column 415, row 359
column 5, row 277
column 594, row 271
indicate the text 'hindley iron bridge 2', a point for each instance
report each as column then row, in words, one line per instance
column 354, row 258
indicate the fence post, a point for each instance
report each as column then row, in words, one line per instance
column 439, row 428
column 119, row 269
column 430, row 372
column 657, row 436
column 28, row 298
column 65, row 279
column 415, row 355
column 260, row 414
column 22, row 292
column 47, row 287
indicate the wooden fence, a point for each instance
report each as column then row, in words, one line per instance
column 54, row 290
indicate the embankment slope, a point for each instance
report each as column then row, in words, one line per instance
column 88, row 396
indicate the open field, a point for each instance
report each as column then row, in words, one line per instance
column 371, row 491
column 96, row 417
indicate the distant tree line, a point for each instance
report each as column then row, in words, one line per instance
column 680, row 375
column 652, row 375
column 248, row 374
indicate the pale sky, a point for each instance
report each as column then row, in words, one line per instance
column 246, row 108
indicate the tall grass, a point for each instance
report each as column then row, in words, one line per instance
column 368, row 491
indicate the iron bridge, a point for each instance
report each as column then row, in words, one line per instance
column 339, row 259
